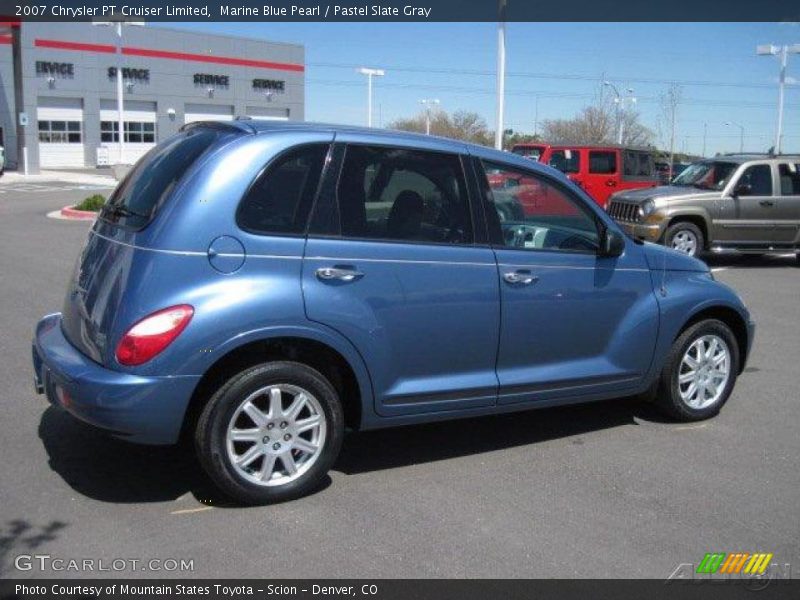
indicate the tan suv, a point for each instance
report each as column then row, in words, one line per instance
column 747, row 203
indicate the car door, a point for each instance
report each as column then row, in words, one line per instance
column 603, row 175
column 787, row 207
column 573, row 324
column 406, row 275
column 750, row 206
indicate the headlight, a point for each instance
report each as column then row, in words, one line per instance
column 647, row 208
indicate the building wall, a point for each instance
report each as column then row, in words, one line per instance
column 172, row 59
column 7, row 104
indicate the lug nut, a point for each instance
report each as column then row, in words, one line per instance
column 270, row 425
column 284, row 425
column 287, row 437
column 275, row 446
column 266, row 439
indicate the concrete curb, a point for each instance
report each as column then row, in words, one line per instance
column 73, row 214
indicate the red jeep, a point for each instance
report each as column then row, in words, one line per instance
column 600, row 170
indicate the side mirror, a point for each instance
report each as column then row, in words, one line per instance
column 742, row 189
column 612, row 243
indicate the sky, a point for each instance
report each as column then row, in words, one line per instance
column 553, row 70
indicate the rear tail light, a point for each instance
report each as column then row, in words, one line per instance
column 153, row 334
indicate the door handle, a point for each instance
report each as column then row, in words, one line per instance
column 346, row 274
column 766, row 202
column 520, row 277
column 611, row 183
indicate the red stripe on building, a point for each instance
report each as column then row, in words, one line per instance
column 107, row 49
column 219, row 60
column 5, row 39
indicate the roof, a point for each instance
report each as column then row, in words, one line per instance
column 746, row 157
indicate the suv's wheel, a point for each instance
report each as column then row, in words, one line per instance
column 685, row 237
column 270, row 433
column 700, row 372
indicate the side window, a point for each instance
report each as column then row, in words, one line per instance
column 535, row 214
column 602, row 162
column 566, row 161
column 280, row 199
column 405, row 195
column 789, row 175
column 758, row 180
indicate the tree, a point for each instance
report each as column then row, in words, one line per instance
column 461, row 125
column 597, row 124
column 512, row 138
column 669, row 101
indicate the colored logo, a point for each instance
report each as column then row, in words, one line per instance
column 735, row 563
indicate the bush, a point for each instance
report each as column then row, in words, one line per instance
column 92, row 203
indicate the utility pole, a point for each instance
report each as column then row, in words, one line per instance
column 370, row 73
column 705, row 135
column 536, row 115
column 501, row 74
column 427, row 103
column 782, row 52
column 120, row 101
column 741, row 134
column 619, row 100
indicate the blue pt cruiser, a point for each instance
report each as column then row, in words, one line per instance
column 258, row 287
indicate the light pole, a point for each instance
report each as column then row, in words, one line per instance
column 501, row 74
column 783, row 53
column 120, row 101
column 705, row 135
column 427, row 103
column 741, row 134
column 620, row 100
column 370, row 73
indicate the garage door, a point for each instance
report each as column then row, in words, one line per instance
column 268, row 114
column 60, row 123
column 140, row 129
column 207, row 112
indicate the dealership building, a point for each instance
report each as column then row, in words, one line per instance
column 58, row 88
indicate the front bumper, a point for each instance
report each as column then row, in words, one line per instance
column 646, row 231
column 146, row 410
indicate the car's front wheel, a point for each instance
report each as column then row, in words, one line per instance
column 700, row 372
column 270, row 433
column 685, row 237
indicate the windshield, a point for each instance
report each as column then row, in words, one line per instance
column 707, row 175
column 150, row 182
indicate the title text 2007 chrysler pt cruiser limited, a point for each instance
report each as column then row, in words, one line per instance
column 259, row 286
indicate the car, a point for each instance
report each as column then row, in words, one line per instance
column 603, row 170
column 667, row 173
column 258, row 287
column 531, row 150
column 2, row 160
column 747, row 203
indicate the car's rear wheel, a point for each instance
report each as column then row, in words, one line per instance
column 270, row 433
column 700, row 372
column 685, row 237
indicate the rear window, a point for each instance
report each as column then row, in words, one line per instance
column 150, row 182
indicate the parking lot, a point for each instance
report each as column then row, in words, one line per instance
column 603, row 490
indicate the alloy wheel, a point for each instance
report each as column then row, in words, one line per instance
column 276, row 434
column 704, row 371
column 685, row 241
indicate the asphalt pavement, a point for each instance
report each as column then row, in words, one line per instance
column 603, row 490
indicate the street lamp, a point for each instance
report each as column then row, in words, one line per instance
column 427, row 103
column 741, row 134
column 120, row 104
column 782, row 52
column 370, row 73
column 501, row 74
column 620, row 100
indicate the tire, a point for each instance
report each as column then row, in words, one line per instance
column 685, row 237
column 673, row 397
column 263, row 446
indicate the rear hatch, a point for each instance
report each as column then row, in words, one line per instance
column 97, row 287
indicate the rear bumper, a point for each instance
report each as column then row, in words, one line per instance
column 146, row 410
column 647, row 232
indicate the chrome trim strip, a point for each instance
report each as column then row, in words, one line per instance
column 571, row 267
column 403, row 261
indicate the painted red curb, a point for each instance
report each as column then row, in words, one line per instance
column 70, row 212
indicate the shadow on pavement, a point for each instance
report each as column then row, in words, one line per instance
column 20, row 537
column 111, row 470
column 751, row 261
